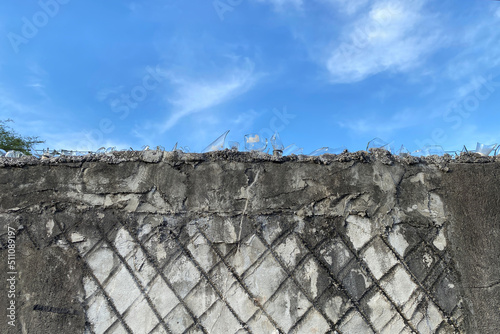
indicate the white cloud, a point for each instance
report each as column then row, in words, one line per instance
column 393, row 35
column 194, row 95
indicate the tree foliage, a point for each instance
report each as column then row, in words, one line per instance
column 10, row 140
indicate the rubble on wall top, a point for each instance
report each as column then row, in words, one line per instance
column 257, row 149
column 156, row 156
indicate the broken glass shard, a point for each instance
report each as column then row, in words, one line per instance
column 293, row 149
column 466, row 151
column 2, row 153
column 320, row 151
column 234, row 145
column 338, row 150
column 253, row 142
column 217, row 144
column 289, row 149
column 418, row 153
column 276, row 142
column 328, row 150
column 433, row 150
column 377, row 143
column 145, row 148
column 178, row 148
column 46, row 153
column 14, row 154
column 403, row 152
column 102, row 150
column 484, row 149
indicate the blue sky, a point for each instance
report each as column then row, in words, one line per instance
column 86, row 74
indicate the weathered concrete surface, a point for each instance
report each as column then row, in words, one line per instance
column 155, row 242
column 473, row 199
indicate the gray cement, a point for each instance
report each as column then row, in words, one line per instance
column 227, row 242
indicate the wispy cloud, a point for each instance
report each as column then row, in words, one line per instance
column 105, row 93
column 394, row 35
column 196, row 95
column 37, row 80
column 481, row 50
column 381, row 126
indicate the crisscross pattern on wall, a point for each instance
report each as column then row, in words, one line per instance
column 192, row 278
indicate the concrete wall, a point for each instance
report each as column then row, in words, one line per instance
column 163, row 242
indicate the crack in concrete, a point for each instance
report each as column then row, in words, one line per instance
column 489, row 286
column 247, row 191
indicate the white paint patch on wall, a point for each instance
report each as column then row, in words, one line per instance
column 381, row 311
column 440, row 240
column 50, row 226
column 335, row 307
column 436, row 209
column 399, row 286
column 101, row 261
column 99, row 314
column 398, row 241
column 379, row 258
column 359, row 230
column 124, row 242
column 419, row 177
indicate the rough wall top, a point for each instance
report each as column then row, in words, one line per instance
column 151, row 156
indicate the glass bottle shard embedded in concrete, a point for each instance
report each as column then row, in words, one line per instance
column 14, row 154
column 484, row 149
column 378, row 143
column 254, row 142
column 217, row 144
column 293, row 149
column 277, row 144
